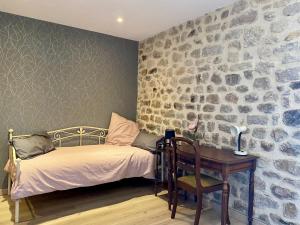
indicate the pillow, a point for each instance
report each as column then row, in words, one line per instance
column 146, row 141
column 121, row 131
column 32, row 146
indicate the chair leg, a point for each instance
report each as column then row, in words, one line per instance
column 228, row 220
column 175, row 200
column 170, row 191
column 198, row 209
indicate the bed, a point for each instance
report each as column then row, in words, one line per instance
column 72, row 166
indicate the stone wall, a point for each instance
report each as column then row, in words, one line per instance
column 237, row 65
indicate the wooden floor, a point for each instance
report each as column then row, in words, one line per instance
column 124, row 203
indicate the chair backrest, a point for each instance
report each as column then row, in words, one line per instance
column 186, row 156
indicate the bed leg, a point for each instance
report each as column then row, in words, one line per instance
column 8, row 185
column 17, row 210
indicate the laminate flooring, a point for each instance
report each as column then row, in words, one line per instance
column 129, row 202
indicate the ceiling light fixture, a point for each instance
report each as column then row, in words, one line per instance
column 120, row 20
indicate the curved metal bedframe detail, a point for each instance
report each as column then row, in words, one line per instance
column 58, row 136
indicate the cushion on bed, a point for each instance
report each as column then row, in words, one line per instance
column 146, row 141
column 121, row 131
column 34, row 145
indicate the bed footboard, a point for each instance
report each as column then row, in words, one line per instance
column 14, row 171
column 14, row 163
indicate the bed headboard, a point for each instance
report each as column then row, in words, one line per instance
column 71, row 133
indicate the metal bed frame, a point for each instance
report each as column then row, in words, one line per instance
column 58, row 137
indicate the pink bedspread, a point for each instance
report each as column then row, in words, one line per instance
column 81, row 166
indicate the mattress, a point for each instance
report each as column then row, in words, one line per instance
column 81, row 166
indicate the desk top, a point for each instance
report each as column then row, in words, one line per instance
column 220, row 155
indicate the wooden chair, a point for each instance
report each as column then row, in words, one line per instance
column 197, row 183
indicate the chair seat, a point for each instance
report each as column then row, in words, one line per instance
column 206, row 181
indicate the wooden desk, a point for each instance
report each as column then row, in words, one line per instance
column 226, row 163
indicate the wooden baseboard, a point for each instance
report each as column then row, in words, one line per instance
column 237, row 215
column 3, row 191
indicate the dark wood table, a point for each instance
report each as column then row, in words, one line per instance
column 226, row 163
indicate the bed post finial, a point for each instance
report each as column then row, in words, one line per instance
column 10, row 135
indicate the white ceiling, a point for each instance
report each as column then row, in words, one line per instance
column 142, row 18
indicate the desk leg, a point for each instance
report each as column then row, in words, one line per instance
column 162, row 167
column 251, row 196
column 225, row 197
